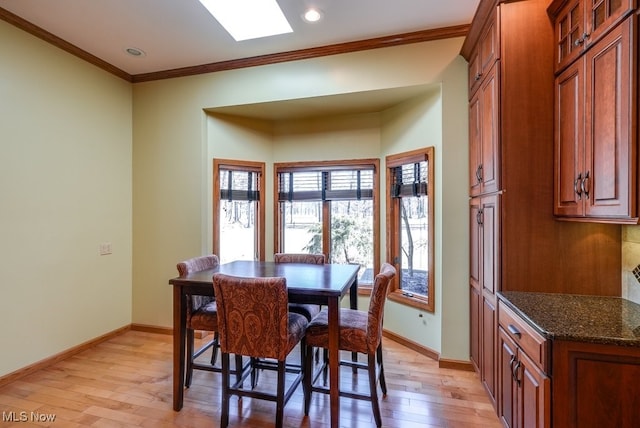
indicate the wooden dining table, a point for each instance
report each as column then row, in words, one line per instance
column 306, row 283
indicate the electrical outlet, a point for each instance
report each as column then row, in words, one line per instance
column 105, row 248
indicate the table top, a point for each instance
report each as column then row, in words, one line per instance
column 327, row 279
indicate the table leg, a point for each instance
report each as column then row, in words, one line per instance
column 179, row 334
column 334, row 360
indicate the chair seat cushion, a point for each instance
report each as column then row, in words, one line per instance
column 297, row 329
column 353, row 330
column 205, row 318
column 309, row 311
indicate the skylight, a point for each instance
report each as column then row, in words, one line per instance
column 249, row 19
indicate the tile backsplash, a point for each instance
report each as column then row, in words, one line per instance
column 631, row 263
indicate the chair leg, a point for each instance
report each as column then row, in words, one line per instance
column 307, row 374
column 238, row 368
column 325, row 368
column 373, row 386
column 190, row 351
column 255, row 373
column 214, row 348
column 383, row 383
column 224, row 416
column 282, row 367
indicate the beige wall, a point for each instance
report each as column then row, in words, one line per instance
column 176, row 136
column 65, row 186
column 88, row 158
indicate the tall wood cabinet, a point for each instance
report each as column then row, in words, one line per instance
column 516, row 243
column 595, row 109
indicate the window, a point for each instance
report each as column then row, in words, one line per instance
column 410, row 231
column 238, row 207
column 330, row 208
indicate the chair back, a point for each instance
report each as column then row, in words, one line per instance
column 376, row 305
column 253, row 316
column 313, row 259
column 196, row 264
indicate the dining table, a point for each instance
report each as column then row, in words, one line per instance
column 306, row 283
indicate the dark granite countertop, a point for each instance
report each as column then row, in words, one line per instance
column 595, row 319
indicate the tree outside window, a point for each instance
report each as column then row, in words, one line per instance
column 238, row 206
column 330, row 208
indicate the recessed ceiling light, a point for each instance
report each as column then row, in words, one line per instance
column 249, row 19
column 312, row 15
column 135, row 52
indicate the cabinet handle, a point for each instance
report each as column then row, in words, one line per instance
column 480, row 217
column 584, row 185
column 515, row 372
column 514, row 330
column 576, row 189
column 511, row 361
column 479, row 173
column 582, row 39
column 478, row 76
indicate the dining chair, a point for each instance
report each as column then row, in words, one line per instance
column 254, row 321
column 202, row 315
column 308, row 310
column 359, row 332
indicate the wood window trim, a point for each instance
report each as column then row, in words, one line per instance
column 239, row 165
column 330, row 165
column 426, row 303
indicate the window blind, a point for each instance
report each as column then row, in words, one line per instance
column 325, row 185
column 410, row 180
column 238, row 185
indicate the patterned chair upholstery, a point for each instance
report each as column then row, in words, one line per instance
column 360, row 332
column 254, row 321
column 202, row 314
column 308, row 310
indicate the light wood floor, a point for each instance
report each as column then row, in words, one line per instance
column 127, row 382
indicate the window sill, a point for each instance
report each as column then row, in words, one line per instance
column 411, row 300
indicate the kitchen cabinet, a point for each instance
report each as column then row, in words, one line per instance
column 484, row 153
column 594, row 145
column 516, row 243
column 581, row 23
column 486, row 53
column 595, row 385
column 590, row 347
column 484, row 280
column 524, row 385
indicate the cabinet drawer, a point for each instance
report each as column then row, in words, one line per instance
column 530, row 341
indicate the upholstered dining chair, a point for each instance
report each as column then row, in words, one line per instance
column 254, row 321
column 202, row 315
column 360, row 332
column 308, row 310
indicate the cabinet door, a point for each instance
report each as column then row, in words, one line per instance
column 507, row 356
column 607, row 174
column 569, row 33
column 475, row 278
column 602, row 15
column 484, row 131
column 569, row 141
column 475, row 327
column 488, row 374
column 490, row 242
column 475, row 145
column 534, row 400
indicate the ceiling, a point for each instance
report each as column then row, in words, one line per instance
column 181, row 33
